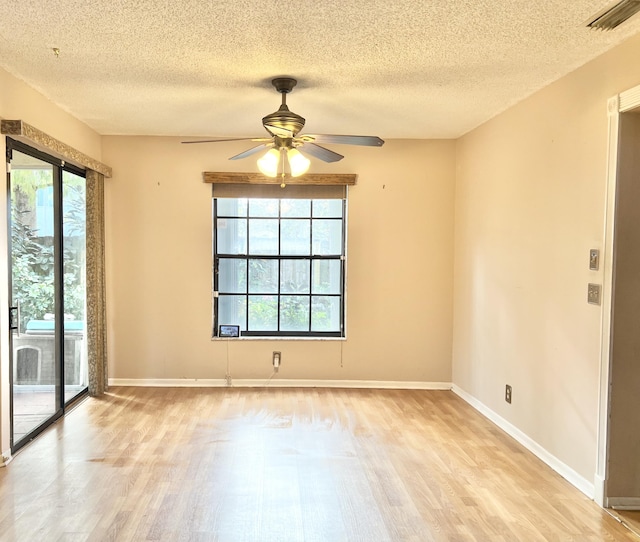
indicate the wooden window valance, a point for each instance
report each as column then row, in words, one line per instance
column 38, row 139
column 315, row 179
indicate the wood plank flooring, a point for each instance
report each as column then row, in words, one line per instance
column 630, row 518
column 280, row 465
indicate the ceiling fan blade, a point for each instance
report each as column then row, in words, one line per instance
column 252, row 150
column 221, row 140
column 320, row 152
column 368, row 141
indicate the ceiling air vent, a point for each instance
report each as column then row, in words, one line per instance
column 616, row 15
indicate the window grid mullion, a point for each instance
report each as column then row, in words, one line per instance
column 343, row 264
column 310, row 267
column 279, row 260
column 311, row 260
column 246, row 289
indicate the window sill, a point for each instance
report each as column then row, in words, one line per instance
column 281, row 339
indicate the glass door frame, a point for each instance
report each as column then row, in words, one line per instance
column 58, row 169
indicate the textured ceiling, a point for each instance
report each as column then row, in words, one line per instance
column 403, row 69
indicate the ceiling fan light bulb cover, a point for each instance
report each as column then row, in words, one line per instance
column 298, row 163
column 268, row 164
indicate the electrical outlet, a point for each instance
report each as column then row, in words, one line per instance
column 593, row 294
column 277, row 358
column 507, row 394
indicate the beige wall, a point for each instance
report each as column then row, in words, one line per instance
column 399, row 266
column 530, row 200
column 19, row 101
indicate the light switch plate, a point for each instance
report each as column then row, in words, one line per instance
column 593, row 294
column 594, row 259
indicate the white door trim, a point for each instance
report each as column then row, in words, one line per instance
column 625, row 101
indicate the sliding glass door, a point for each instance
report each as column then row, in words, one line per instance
column 32, row 293
column 47, row 271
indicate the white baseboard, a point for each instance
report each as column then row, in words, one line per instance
column 561, row 468
column 599, row 491
column 623, row 503
column 277, row 383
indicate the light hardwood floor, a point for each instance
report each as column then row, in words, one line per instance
column 279, row 465
column 631, row 518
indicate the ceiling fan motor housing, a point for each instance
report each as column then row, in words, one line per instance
column 283, row 122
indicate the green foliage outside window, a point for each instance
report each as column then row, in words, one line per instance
column 33, row 255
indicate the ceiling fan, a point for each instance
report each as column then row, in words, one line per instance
column 284, row 127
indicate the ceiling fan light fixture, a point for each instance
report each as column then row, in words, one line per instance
column 268, row 164
column 298, row 163
column 283, row 127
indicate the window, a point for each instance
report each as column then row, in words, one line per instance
column 279, row 264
